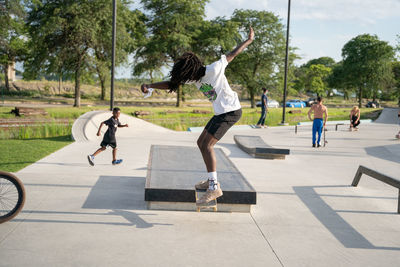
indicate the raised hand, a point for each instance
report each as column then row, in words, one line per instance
column 251, row 34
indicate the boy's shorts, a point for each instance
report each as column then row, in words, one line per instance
column 106, row 143
column 220, row 124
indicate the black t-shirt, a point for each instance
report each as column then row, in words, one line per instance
column 112, row 124
column 263, row 96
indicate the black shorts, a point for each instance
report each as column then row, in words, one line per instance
column 106, row 143
column 220, row 124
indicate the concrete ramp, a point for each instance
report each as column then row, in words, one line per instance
column 86, row 126
column 388, row 116
column 173, row 172
column 256, row 147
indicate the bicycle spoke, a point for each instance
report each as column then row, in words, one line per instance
column 10, row 193
column 9, row 188
column 7, row 205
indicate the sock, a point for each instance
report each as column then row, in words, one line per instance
column 212, row 176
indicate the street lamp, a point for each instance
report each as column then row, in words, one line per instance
column 286, row 67
column 113, row 53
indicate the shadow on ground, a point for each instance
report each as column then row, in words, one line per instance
column 385, row 152
column 120, row 194
column 330, row 218
column 339, row 228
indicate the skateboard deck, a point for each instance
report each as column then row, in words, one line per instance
column 210, row 205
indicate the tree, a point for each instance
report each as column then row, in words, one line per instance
column 315, row 80
column 337, row 80
column 216, row 37
column 257, row 65
column 326, row 61
column 396, row 74
column 75, row 37
column 12, row 35
column 367, row 64
column 173, row 26
column 130, row 34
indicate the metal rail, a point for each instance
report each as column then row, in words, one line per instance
column 379, row 176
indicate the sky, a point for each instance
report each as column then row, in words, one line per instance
column 318, row 27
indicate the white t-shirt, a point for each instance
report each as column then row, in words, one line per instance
column 215, row 87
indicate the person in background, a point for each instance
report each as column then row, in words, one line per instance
column 354, row 118
column 109, row 137
column 319, row 122
column 264, row 109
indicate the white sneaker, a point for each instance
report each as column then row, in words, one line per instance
column 91, row 159
column 210, row 195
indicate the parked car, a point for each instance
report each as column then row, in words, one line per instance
column 310, row 101
column 295, row 103
column 373, row 104
column 270, row 104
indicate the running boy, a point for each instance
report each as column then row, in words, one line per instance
column 319, row 122
column 109, row 137
column 211, row 81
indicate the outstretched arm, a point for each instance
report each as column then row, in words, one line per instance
column 160, row 85
column 241, row 47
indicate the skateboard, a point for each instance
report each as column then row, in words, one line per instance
column 325, row 141
column 210, row 205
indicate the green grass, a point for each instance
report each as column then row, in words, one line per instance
column 17, row 154
column 42, row 131
column 182, row 121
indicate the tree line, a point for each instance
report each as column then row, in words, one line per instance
column 67, row 39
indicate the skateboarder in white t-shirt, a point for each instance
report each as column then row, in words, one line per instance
column 211, row 81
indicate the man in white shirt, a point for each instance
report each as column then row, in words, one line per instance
column 211, row 81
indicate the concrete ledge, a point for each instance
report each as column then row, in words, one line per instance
column 255, row 146
column 173, row 172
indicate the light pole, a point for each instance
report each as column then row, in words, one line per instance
column 286, row 67
column 114, row 28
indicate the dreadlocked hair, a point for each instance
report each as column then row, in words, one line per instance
column 188, row 67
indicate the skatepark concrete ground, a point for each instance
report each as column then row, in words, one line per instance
column 307, row 214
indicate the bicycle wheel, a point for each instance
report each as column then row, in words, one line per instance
column 12, row 196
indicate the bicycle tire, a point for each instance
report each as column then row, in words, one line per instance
column 21, row 196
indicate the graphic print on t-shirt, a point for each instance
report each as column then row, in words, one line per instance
column 208, row 91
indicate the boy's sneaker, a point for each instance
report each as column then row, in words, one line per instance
column 319, row 145
column 210, row 195
column 91, row 159
column 203, row 185
column 116, row 162
column 313, row 145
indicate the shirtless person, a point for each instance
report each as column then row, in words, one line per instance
column 319, row 122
